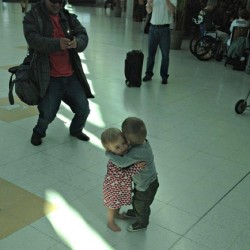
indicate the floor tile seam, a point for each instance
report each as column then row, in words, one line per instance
column 22, row 158
column 14, row 216
column 192, row 157
column 45, row 234
column 84, row 192
column 182, row 210
column 236, row 237
column 168, row 229
column 198, row 243
column 236, row 161
column 198, row 179
column 210, row 209
column 216, row 155
column 27, row 224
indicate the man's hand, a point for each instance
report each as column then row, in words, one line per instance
column 149, row 6
column 66, row 43
column 72, row 44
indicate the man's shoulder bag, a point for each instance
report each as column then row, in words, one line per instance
column 23, row 79
column 26, row 87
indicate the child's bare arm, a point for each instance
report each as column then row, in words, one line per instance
column 141, row 164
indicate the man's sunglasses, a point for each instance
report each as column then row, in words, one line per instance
column 56, row 1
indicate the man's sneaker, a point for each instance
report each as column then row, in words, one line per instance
column 81, row 136
column 136, row 227
column 147, row 78
column 36, row 139
column 130, row 214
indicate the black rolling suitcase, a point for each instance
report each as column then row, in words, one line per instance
column 133, row 68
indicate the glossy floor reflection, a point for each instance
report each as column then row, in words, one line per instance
column 201, row 147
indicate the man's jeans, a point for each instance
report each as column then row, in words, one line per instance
column 158, row 36
column 66, row 89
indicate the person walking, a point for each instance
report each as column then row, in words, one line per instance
column 159, row 35
column 58, row 66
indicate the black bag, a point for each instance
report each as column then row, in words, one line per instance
column 25, row 86
column 133, row 68
column 239, row 65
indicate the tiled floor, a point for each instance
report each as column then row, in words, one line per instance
column 201, row 147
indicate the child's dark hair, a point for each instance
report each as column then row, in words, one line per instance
column 244, row 14
column 110, row 135
column 134, row 130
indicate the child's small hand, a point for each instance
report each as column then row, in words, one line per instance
column 141, row 164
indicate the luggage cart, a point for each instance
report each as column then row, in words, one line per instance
column 241, row 105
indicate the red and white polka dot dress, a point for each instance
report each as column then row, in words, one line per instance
column 117, row 186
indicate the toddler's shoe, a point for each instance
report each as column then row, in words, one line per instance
column 130, row 214
column 136, row 227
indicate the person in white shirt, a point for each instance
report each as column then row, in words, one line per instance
column 159, row 35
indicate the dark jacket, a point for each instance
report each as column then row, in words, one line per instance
column 43, row 44
column 208, row 20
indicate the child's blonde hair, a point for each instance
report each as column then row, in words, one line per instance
column 110, row 135
column 134, row 130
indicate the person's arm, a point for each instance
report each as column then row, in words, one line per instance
column 34, row 37
column 79, row 33
column 232, row 26
column 170, row 7
column 134, row 169
column 149, row 6
column 121, row 161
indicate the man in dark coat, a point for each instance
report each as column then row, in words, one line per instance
column 56, row 37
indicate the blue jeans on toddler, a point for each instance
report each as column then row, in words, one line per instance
column 69, row 90
column 158, row 36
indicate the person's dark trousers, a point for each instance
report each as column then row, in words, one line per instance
column 142, row 201
column 158, row 36
column 66, row 89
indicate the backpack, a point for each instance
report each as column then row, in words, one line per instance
column 25, row 85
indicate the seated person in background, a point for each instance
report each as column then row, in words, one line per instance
column 205, row 18
column 236, row 53
column 242, row 21
column 221, row 18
